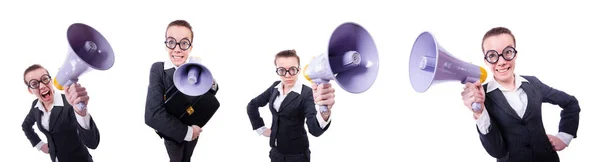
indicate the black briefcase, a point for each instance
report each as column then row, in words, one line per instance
column 191, row 110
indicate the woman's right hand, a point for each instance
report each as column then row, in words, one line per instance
column 45, row 148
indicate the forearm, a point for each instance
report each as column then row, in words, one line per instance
column 27, row 127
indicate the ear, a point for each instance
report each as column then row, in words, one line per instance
column 29, row 90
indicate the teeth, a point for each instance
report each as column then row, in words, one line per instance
column 176, row 56
column 502, row 70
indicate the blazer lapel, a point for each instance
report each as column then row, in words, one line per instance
column 497, row 96
column 274, row 95
column 56, row 112
column 530, row 102
column 288, row 99
column 38, row 118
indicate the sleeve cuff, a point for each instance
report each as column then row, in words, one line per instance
column 565, row 137
column 39, row 145
column 214, row 85
column 84, row 121
column 189, row 134
column 483, row 122
column 261, row 130
column 322, row 122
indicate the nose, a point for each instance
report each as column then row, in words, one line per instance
column 42, row 85
column 501, row 61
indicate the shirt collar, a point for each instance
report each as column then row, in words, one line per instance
column 492, row 85
column 296, row 88
column 169, row 64
column 58, row 101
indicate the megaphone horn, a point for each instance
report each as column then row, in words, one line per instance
column 430, row 64
column 193, row 78
column 88, row 49
column 351, row 60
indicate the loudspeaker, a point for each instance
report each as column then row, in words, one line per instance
column 351, row 60
column 189, row 99
column 430, row 64
column 193, row 78
column 88, row 50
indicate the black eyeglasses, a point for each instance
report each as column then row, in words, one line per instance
column 184, row 44
column 35, row 84
column 281, row 71
column 508, row 54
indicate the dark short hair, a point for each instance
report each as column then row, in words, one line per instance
column 497, row 31
column 32, row 68
column 181, row 23
column 287, row 53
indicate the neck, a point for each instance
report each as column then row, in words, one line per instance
column 48, row 106
column 286, row 89
column 508, row 84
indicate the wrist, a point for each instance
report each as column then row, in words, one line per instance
column 476, row 115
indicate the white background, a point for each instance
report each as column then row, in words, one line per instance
column 557, row 42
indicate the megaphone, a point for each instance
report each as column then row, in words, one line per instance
column 88, row 49
column 351, row 60
column 430, row 64
column 193, row 78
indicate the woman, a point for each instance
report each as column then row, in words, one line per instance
column 69, row 131
column 180, row 139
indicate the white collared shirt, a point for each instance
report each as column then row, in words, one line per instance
column 84, row 121
column 168, row 65
column 279, row 99
column 517, row 99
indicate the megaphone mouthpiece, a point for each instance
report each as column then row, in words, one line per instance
column 193, row 73
column 192, row 79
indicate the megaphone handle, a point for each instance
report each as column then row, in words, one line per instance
column 322, row 108
column 80, row 105
column 476, row 106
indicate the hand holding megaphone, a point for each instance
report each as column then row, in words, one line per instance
column 473, row 95
column 351, row 60
column 88, row 50
column 77, row 95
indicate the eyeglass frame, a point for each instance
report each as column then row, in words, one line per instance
column 507, row 48
column 287, row 71
column 178, row 43
column 40, row 81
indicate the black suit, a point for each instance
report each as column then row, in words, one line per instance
column 66, row 138
column 514, row 139
column 166, row 125
column 288, row 123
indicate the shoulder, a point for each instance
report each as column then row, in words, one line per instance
column 275, row 83
column 34, row 103
column 306, row 90
column 157, row 65
column 530, row 78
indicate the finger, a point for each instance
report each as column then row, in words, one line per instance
column 80, row 99
column 314, row 86
column 325, row 91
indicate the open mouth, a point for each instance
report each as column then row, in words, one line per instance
column 502, row 70
column 176, row 57
column 45, row 95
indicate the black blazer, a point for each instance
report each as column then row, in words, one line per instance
column 288, row 124
column 512, row 139
column 165, row 124
column 66, row 138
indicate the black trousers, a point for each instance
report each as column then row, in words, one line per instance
column 180, row 152
column 276, row 156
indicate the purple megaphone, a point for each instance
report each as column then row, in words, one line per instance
column 352, row 60
column 88, row 49
column 192, row 78
column 430, row 64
